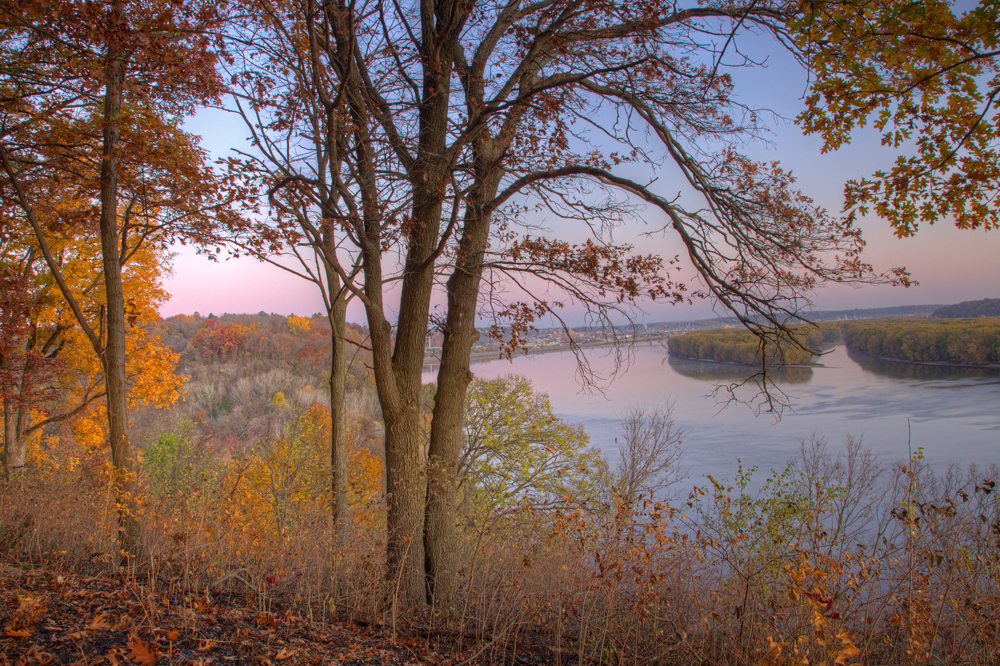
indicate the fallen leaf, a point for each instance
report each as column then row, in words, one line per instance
column 114, row 655
column 17, row 633
column 173, row 635
column 284, row 654
column 29, row 611
column 206, row 645
column 140, row 653
column 99, row 623
column 35, row 654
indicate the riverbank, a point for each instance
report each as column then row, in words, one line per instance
column 933, row 364
column 737, row 364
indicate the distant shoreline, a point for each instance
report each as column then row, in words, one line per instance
column 745, row 365
column 496, row 354
column 940, row 364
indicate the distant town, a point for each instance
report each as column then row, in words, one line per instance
column 542, row 340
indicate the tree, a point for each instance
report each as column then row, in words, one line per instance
column 287, row 89
column 926, row 76
column 649, row 455
column 455, row 116
column 50, row 371
column 98, row 91
column 518, row 453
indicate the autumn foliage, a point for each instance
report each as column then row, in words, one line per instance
column 952, row 341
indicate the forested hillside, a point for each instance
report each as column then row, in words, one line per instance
column 963, row 341
column 434, row 164
column 988, row 307
column 244, row 370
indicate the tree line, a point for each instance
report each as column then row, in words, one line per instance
column 988, row 307
column 732, row 345
column 962, row 341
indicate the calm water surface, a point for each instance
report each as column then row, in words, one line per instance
column 954, row 414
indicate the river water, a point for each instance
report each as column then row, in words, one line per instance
column 952, row 413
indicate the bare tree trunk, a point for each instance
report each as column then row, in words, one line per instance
column 338, row 409
column 454, row 376
column 113, row 356
column 13, row 445
column 405, row 459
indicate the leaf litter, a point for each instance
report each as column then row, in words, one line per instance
column 76, row 620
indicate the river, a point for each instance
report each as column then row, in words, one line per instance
column 952, row 413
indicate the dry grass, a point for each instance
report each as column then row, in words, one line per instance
column 839, row 559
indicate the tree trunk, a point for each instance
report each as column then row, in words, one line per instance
column 454, row 376
column 13, row 445
column 405, row 458
column 338, row 409
column 113, row 356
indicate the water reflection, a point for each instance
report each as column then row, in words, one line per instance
column 899, row 370
column 838, row 398
column 711, row 371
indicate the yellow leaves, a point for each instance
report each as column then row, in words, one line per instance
column 282, row 483
column 773, row 656
column 299, row 324
column 809, row 580
column 848, row 649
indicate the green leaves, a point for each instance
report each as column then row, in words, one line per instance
column 926, row 78
column 517, row 451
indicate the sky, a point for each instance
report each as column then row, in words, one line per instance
column 951, row 265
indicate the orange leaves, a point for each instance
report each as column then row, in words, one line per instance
column 221, row 342
column 141, row 653
column 299, row 324
column 99, row 623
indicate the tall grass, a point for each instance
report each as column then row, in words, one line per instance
column 839, row 558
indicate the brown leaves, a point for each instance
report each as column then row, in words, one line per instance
column 30, row 610
column 78, row 623
column 99, row 623
column 141, row 653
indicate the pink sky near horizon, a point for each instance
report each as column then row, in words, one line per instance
column 951, row 265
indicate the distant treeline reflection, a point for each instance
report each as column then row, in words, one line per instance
column 917, row 371
column 715, row 371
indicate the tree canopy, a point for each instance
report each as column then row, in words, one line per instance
column 925, row 74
